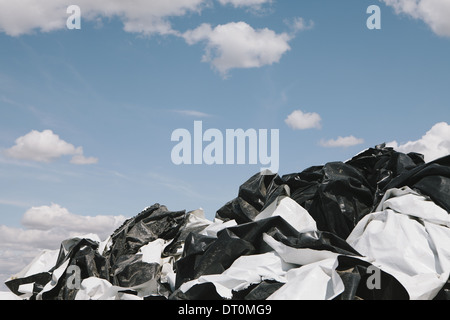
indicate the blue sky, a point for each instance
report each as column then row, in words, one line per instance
column 112, row 93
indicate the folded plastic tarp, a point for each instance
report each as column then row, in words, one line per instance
column 373, row 227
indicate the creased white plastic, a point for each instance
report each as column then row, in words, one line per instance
column 105, row 245
column 94, row 288
column 315, row 281
column 42, row 263
column 196, row 222
column 9, row 296
column 407, row 201
column 290, row 211
column 26, row 290
column 298, row 256
column 409, row 239
column 151, row 252
column 217, row 226
column 245, row 271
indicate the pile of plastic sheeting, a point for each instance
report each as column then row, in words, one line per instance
column 374, row 227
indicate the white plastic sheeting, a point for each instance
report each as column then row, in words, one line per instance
column 42, row 263
column 100, row 289
column 409, row 238
column 290, row 211
column 245, row 271
column 315, row 281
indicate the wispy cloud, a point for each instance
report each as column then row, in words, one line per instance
column 257, row 7
column 15, row 203
column 175, row 184
column 299, row 24
column 46, row 119
column 341, row 142
column 245, row 3
column 193, row 113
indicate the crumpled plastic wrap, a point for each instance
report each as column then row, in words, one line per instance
column 373, row 227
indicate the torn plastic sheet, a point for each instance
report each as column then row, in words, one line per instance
column 317, row 234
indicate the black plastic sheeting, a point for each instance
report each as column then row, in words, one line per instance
column 337, row 195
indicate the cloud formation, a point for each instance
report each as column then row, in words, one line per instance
column 46, row 146
column 143, row 16
column 299, row 24
column 45, row 228
column 435, row 13
column 238, row 45
column 55, row 216
column 193, row 113
column 146, row 17
column 228, row 46
column 298, row 120
column 245, row 3
column 433, row 145
column 341, row 142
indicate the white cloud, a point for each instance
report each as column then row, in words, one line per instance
column 20, row 17
column 31, row 240
column 238, row 45
column 228, row 46
column 245, row 3
column 45, row 228
column 341, row 142
column 42, row 146
column 80, row 159
column 142, row 16
column 55, row 216
column 298, row 120
column 46, row 146
column 299, row 24
column 435, row 13
column 433, row 145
